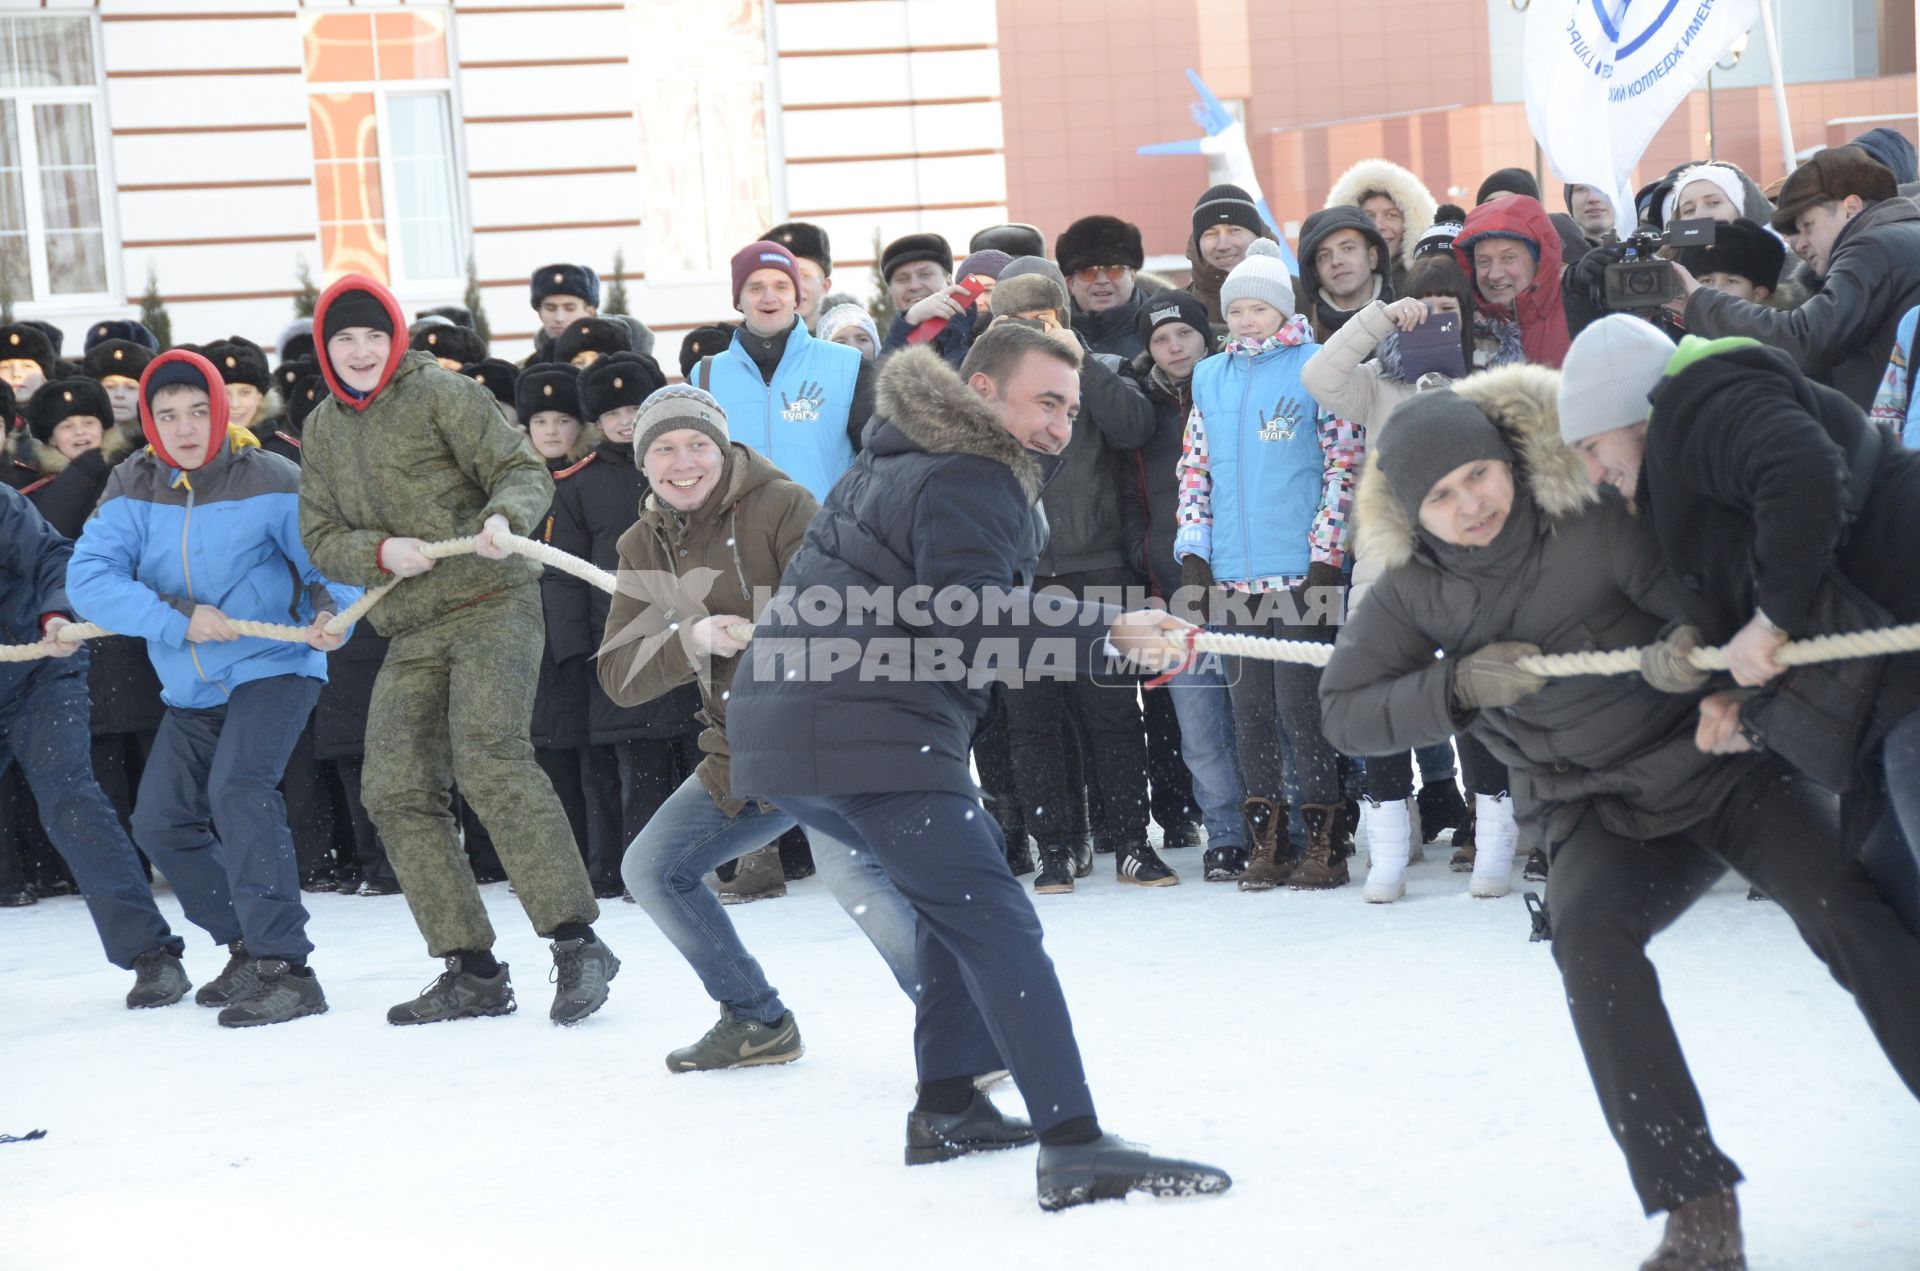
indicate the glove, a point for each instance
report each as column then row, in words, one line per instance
column 1664, row 664
column 1588, row 278
column 1195, row 572
column 1490, row 677
column 1320, row 575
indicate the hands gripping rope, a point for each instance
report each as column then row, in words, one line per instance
column 1829, row 648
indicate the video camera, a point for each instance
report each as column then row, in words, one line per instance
column 1645, row 281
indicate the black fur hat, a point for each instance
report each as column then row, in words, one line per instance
column 7, row 407
column 304, row 396
column 457, row 344
column 565, row 280
column 287, row 375
column 549, row 386
column 1016, row 240
column 25, row 341
column 496, row 375
column 240, row 361
column 121, row 329
column 708, row 341
column 55, row 336
column 805, row 240
column 1098, row 240
column 1740, row 247
column 124, row 358
column 604, row 336
column 915, row 247
column 622, row 379
column 61, row 399
column 459, row 315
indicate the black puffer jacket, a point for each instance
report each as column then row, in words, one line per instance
column 1572, row 571
column 560, row 700
column 1149, row 490
column 1842, row 335
column 340, row 716
column 1115, row 332
column 1082, row 501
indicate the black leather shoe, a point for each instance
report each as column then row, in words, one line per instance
column 1110, row 1168
column 941, row 1136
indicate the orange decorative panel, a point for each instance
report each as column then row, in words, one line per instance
column 410, row 45
column 346, row 182
column 338, row 49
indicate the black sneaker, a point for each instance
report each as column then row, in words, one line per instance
column 319, row 883
column 18, row 898
column 235, row 981
column 1139, row 864
column 158, row 980
column 1224, row 864
column 457, row 994
column 942, row 1136
column 378, row 887
column 582, row 969
column 1057, row 868
column 48, row 888
column 284, row 992
column 1110, row 1168
column 1182, row 834
column 1083, row 857
column 1536, row 870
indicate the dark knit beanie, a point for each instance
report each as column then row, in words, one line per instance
column 59, row 400
column 1099, row 240
column 356, row 308
column 170, row 374
column 1448, row 220
column 1508, row 181
column 1227, row 205
column 240, row 361
column 762, row 255
column 707, row 341
column 496, row 375
column 303, row 397
column 548, row 386
column 624, row 379
column 1431, row 434
column 912, row 248
column 605, row 336
column 1171, row 306
column 674, row 407
column 805, row 240
column 988, row 260
column 124, row 358
column 1016, row 239
column 565, row 280
column 459, row 345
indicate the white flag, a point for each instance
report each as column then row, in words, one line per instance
column 1603, row 75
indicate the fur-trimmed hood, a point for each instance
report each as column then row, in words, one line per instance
column 39, row 455
column 928, row 403
column 1523, row 403
column 1416, row 203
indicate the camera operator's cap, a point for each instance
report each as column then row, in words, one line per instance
column 1610, row 371
column 1830, row 176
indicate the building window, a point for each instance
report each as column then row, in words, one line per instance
column 53, row 232
column 385, row 171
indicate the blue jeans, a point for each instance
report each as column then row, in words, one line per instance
column 1436, row 762
column 1205, row 710
column 1892, row 850
column 668, row 860
column 44, row 728
column 210, row 817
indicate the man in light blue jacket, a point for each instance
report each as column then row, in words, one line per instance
column 199, row 529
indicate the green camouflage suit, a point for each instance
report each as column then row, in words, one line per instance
column 432, row 458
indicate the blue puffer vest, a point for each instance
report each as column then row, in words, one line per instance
column 1265, row 458
column 799, row 421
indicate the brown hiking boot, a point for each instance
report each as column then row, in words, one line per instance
column 758, row 876
column 1324, row 865
column 1269, row 864
column 1702, row 1235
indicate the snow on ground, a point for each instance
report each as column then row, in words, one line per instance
column 1391, row 1086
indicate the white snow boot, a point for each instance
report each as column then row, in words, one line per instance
column 1497, row 836
column 1388, row 831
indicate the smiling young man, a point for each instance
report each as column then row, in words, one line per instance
column 813, row 253
column 200, row 528
column 405, row 452
column 799, row 400
column 1842, row 214
column 1225, row 221
column 918, row 269
column 1345, row 265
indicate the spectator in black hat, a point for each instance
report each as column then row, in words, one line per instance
column 459, row 315
column 1225, row 221
column 280, row 435
column 295, row 341
column 814, row 254
column 121, row 329
column 452, row 346
column 243, row 365
column 1744, row 261
column 587, row 340
column 562, row 295
column 1016, row 240
column 547, row 399
column 118, row 364
column 27, row 360
column 70, row 440
column 499, row 376
column 703, row 341
column 1099, row 256
column 919, row 273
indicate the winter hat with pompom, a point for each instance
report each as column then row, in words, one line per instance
column 1261, row 275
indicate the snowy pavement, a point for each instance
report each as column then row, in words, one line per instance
column 1391, row 1087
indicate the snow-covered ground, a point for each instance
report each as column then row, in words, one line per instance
column 1391, row 1086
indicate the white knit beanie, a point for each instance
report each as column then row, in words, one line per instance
column 1261, row 275
column 1716, row 173
column 1609, row 372
column 842, row 316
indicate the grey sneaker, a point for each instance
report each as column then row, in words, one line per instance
column 740, row 1043
column 758, row 876
column 282, row 994
column 236, row 981
column 457, row 994
column 158, row 980
column 582, row 971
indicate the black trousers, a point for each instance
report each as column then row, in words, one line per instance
column 1172, row 802
column 1610, row 895
column 627, row 781
column 369, row 851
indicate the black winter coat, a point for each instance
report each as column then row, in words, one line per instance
column 943, row 498
column 1149, row 490
column 592, row 508
column 560, row 700
column 1086, row 528
column 1116, row 331
column 279, row 436
column 1843, row 335
column 340, row 715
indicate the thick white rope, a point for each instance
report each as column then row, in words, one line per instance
column 1828, row 648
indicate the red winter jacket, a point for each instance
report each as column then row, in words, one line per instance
column 1538, row 309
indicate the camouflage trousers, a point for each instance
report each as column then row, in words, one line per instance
column 452, row 705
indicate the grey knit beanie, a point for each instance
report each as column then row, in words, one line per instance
column 1608, row 374
column 1429, row 435
column 1261, row 275
column 678, row 406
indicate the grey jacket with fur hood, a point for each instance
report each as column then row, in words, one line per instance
column 1572, row 570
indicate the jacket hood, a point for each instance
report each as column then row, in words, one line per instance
column 1316, row 229
column 928, row 403
column 1891, row 148
column 1416, row 203
column 1543, row 322
column 747, row 471
column 216, row 404
column 1523, row 403
column 358, row 282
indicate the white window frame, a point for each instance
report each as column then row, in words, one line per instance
column 399, row 282
column 44, row 301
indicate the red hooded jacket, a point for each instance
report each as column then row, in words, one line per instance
column 1538, row 309
column 358, row 282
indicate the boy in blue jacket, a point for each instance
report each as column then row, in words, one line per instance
column 200, row 528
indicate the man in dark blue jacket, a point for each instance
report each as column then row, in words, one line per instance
column 856, row 707
column 44, row 713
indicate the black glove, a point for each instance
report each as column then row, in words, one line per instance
column 1195, row 572
column 1588, row 277
column 1320, row 576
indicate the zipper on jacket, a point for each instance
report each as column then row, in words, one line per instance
column 186, row 568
